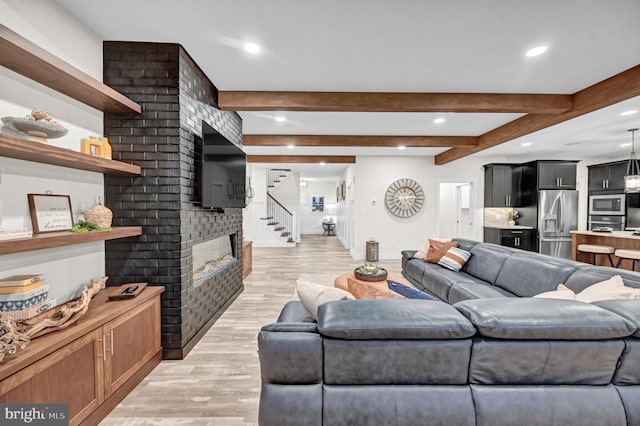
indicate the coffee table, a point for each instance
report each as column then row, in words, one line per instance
column 380, row 287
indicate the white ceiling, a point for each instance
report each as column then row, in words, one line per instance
column 409, row 46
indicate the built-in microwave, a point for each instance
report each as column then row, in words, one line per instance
column 610, row 204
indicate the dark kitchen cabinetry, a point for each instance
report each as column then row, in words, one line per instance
column 607, row 178
column 556, row 174
column 502, row 185
column 524, row 239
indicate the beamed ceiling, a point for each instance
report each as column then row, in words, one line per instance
column 366, row 76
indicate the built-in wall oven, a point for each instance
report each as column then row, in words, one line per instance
column 607, row 205
column 607, row 211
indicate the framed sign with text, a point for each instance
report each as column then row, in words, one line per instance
column 50, row 213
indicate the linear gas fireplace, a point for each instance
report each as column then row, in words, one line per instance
column 213, row 255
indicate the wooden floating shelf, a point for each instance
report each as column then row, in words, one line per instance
column 23, row 149
column 30, row 60
column 59, row 239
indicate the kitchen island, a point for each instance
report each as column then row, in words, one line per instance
column 615, row 239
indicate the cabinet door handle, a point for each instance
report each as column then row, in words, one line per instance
column 604, row 184
column 103, row 355
column 560, row 181
column 112, row 347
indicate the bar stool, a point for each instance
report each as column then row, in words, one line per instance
column 596, row 250
column 633, row 255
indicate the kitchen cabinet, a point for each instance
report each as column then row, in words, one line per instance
column 93, row 364
column 524, row 239
column 501, row 185
column 607, row 177
column 556, row 174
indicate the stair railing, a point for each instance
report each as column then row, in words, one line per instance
column 284, row 219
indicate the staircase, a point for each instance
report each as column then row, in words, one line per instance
column 278, row 217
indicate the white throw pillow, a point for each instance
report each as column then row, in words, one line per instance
column 562, row 292
column 422, row 252
column 611, row 289
column 313, row 295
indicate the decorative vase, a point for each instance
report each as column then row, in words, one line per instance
column 511, row 222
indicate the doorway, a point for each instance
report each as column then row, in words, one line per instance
column 455, row 209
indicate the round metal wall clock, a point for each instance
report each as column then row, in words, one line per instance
column 404, row 197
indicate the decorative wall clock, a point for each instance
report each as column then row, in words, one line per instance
column 404, row 197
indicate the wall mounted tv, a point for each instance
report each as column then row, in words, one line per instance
column 223, row 173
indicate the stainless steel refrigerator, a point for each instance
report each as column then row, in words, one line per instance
column 557, row 216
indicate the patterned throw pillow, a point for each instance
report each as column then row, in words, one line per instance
column 437, row 249
column 454, row 259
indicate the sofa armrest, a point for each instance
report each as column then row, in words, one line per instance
column 629, row 309
column 390, row 319
column 408, row 254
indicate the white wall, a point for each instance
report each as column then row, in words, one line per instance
column 372, row 219
column 66, row 269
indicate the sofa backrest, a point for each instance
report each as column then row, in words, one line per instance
column 526, row 274
column 584, row 277
column 486, row 261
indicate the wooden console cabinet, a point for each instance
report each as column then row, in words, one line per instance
column 93, row 364
column 247, row 258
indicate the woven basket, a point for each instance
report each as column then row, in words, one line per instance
column 100, row 215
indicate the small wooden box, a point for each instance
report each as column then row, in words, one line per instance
column 120, row 293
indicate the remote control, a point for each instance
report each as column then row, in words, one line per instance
column 130, row 290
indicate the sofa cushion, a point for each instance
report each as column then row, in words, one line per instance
column 475, row 290
column 486, row 261
column 392, row 319
column 415, row 269
column 439, row 281
column 630, row 309
column 552, row 319
column 589, row 275
column 527, row 274
column 465, row 244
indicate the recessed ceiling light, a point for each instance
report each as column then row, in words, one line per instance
column 401, row 147
column 536, row 51
column 291, row 146
column 280, row 118
column 322, row 163
column 624, row 145
column 439, row 120
column 633, row 111
column 251, row 48
column 526, row 144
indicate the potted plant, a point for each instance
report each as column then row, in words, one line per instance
column 513, row 216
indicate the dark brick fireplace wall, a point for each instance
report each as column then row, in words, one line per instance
column 175, row 96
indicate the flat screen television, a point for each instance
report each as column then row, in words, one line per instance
column 223, row 173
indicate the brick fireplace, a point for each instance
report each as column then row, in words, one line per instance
column 165, row 141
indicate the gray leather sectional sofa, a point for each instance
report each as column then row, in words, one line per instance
column 492, row 355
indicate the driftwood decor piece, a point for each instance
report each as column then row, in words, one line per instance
column 10, row 338
column 61, row 316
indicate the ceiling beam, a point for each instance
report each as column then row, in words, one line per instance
column 335, row 159
column 359, row 140
column 393, row 102
column 618, row 88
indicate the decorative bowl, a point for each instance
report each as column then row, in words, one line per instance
column 379, row 274
column 42, row 129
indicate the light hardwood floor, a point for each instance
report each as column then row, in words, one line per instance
column 218, row 383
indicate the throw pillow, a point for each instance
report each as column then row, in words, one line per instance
column 313, row 295
column 361, row 290
column 611, row 289
column 562, row 292
column 422, row 252
column 437, row 249
column 454, row 259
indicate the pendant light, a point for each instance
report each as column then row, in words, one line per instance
column 632, row 178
